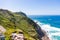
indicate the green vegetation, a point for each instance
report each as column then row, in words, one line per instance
column 12, row 21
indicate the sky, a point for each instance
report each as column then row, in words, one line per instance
column 32, row 7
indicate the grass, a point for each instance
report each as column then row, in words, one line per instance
column 12, row 22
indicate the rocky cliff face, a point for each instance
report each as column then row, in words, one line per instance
column 15, row 21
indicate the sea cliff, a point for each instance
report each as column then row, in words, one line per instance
column 18, row 21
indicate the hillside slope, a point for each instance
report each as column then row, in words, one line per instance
column 15, row 21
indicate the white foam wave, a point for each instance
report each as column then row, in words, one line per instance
column 52, row 31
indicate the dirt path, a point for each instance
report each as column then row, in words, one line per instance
column 2, row 29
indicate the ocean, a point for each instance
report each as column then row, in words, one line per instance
column 49, row 23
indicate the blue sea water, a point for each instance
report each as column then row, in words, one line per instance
column 50, row 23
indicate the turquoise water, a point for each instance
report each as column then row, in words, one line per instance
column 50, row 24
column 56, row 37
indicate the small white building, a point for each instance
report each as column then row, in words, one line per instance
column 19, row 37
column 16, row 36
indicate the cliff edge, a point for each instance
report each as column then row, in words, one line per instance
column 16, row 21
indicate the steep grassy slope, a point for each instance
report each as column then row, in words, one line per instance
column 14, row 21
column 18, row 21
